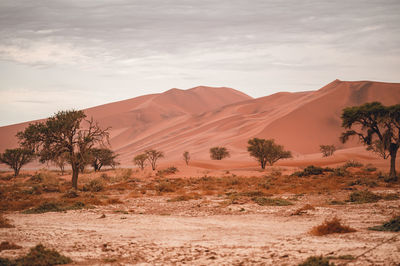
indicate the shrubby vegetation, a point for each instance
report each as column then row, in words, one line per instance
column 327, row 150
column 153, row 156
column 266, row 151
column 16, row 158
column 219, row 153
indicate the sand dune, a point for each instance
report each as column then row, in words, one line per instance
column 202, row 117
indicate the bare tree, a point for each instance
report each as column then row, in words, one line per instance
column 153, row 156
column 140, row 160
column 186, row 157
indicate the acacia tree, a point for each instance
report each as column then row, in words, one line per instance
column 373, row 122
column 266, row 151
column 102, row 157
column 219, row 153
column 64, row 134
column 61, row 161
column 186, row 157
column 378, row 147
column 327, row 150
column 153, row 156
column 140, row 160
column 16, row 158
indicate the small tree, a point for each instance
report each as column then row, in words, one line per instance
column 140, row 160
column 186, row 157
column 373, row 122
column 63, row 133
column 327, row 150
column 102, row 157
column 153, row 156
column 16, row 158
column 219, row 153
column 265, row 150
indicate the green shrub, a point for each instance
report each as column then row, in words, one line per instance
column 38, row 255
column 316, row 261
column 364, row 196
column 167, row 171
column 312, row 170
column 393, row 225
column 263, row 201
column 45, row 207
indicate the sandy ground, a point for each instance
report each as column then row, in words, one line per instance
column 152, row 231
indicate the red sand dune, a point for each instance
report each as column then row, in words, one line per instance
column 202, row 117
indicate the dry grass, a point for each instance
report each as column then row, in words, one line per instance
column 303, row 209
column 5, row 245
column 333, row 226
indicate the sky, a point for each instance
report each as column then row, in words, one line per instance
column 73, row 54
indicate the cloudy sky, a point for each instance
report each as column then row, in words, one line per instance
column 62, row 54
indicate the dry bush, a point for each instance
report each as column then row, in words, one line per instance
column 168, row 171
column 392, row 226
column 5, row 245
column 303, row 209
column 38, row 255
column 185, row 197
column 114, row 201
column 94, row 185
column 316, row 261
column 263, row 201
column 5, row 223
column 364, row 196
column 122, row 175
column 331, row 227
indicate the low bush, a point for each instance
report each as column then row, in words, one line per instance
column 264, row 201
column 38, row 255
column 316, row 261
column 94, row 185
column 72, row 193
column 352, row 163
column 184, row 197
column 303, row 209
column 312, row 170
column 393, row 225
column 45, row 207
column 333, row 226
column 369, row 168
column 364, row 196
column 5, row 245
column 168, row 171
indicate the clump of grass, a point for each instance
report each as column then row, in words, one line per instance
column 168, row 171
column 336, row 202
column 45, row 207
column 165, row 186
column 331, row 227
column 5, row 245
column 123, row 174
column 316, row 261
column 38, row 255
column 352, row 163
column 5, row 223
column 341, row 257
column 94, row 185
column 303, row 209
column 364, row 196
column 184, row 197
column 114, row 201
column 312, row 170
column 264, row 201
column 390, row 196
column 369, row 168
column 72, row 193
column 392, row 226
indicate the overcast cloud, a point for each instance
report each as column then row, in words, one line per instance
column 75, row 54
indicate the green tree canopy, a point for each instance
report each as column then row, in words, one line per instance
column 153, row 156
column 219, row 153
column 140, row 160
column 67, row 132
column 102, row 157
column 16, row 158
column 372, row 122
column 266, row 151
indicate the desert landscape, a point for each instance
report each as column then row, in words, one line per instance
column 153, row 132
column 217, row 212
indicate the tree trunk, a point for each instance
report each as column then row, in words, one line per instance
column 16, row 172
column 393, row 153
column 75, row 173
column 263, row 164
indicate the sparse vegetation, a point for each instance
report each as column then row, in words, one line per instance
column 168, row 171
column 266, row 151
column 332, row 226
column 327, row 150
column 393, row 225
column 16, row 158
column 312, row 170
column 264, row 201
column 219, row 153
column 5, row 223
column 316, row 261
column 5, row 245
column 100, row 157
column 352, row 163
column 140, row 160
column 94, row 185
column 303, row 209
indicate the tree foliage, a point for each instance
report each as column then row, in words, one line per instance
column 219, row 153
column 61, row 161
column 100, row 157
column 327, row 150
column 374, row 123
column 378, row 147
column 67, row 132
column 186, row 157
column 16, row 158
column 153, row 156
column 266, row 151
column 140, row 160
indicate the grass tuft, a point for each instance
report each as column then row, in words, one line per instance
column 5, row 245
column 316, row 261
column 364, row 196
column 5, row 223
column 392, row 226
column 264, row 201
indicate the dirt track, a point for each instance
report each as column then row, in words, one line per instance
column 268, row 235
